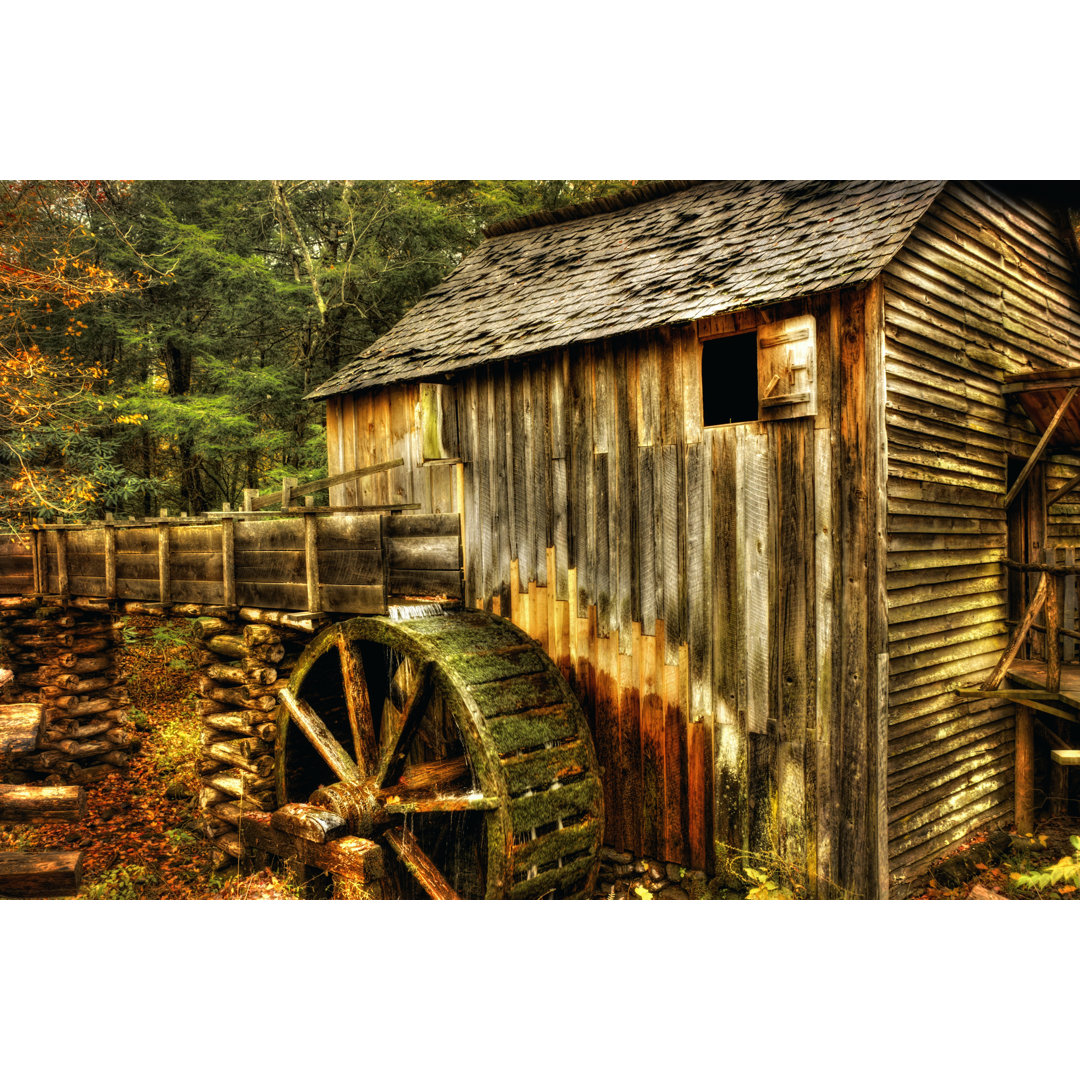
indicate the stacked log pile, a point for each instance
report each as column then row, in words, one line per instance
column 64, row 658
column 242, row 668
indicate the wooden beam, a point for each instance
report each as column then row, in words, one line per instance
column 312, row 823
column 1042, row 444
column 1065, row 757
column 1007, row 694
column 318, row 734
column 1009, row 655
column 413, row 713
column 1037, row 567
column 351, row 855
column 297, row 490
column 1033, row 699
column 1068, row 489
column 426, row 873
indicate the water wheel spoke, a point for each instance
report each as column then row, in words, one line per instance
column 426, row 873
column 318, row 734
column 393, row 763
column 358, row 703
column 439, row 802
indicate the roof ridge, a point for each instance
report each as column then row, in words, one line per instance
column 631, row 196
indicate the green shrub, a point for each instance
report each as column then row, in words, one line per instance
column 121, row 883
column 1065, row 873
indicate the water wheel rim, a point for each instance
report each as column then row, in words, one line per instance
column 423, row 641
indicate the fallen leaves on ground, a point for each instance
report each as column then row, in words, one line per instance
column 137, row 842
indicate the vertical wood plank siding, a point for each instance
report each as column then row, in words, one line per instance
column 687, row 581
column 981, row 289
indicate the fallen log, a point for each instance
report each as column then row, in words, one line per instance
column 21, row 804
column 40, row 874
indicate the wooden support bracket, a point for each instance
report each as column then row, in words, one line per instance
column 1009, row 655
column 1042, row 445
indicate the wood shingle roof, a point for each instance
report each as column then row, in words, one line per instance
column 709, row 248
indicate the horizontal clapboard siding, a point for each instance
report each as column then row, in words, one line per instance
column 982, row 288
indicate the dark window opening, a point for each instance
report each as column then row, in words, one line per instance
column 729, row 380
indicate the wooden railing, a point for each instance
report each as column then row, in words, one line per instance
column 313, row 559
column 1055, row 596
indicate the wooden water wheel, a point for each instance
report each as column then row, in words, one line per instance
column 454, row 743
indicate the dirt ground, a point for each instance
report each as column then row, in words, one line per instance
column 1046, row 846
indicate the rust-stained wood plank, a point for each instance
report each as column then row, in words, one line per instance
column 629, row 689
column 607, row 737
column 652, row 740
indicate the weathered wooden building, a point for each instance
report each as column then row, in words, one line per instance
column 735, row 453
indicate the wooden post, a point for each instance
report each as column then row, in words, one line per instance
column 228, row 558
column 1025, row 770
column 35, row 552
column 311, row 561
column 164, row 581
column 250, row 495
column 1007, row 657
column 384, row 549
column 61, row 562
column 1054, row 600
column 110, row 559
column 1059, row 776
column 287, row 485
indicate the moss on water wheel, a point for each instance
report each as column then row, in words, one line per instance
column 454, row 742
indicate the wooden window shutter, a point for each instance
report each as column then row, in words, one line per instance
column 438, row 423
column 787, row 369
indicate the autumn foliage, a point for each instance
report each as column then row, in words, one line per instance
column 46, row 276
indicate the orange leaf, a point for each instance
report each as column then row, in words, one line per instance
column 1066, row 889
column 981, row 866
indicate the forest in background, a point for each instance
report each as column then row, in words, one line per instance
column 157, row 338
